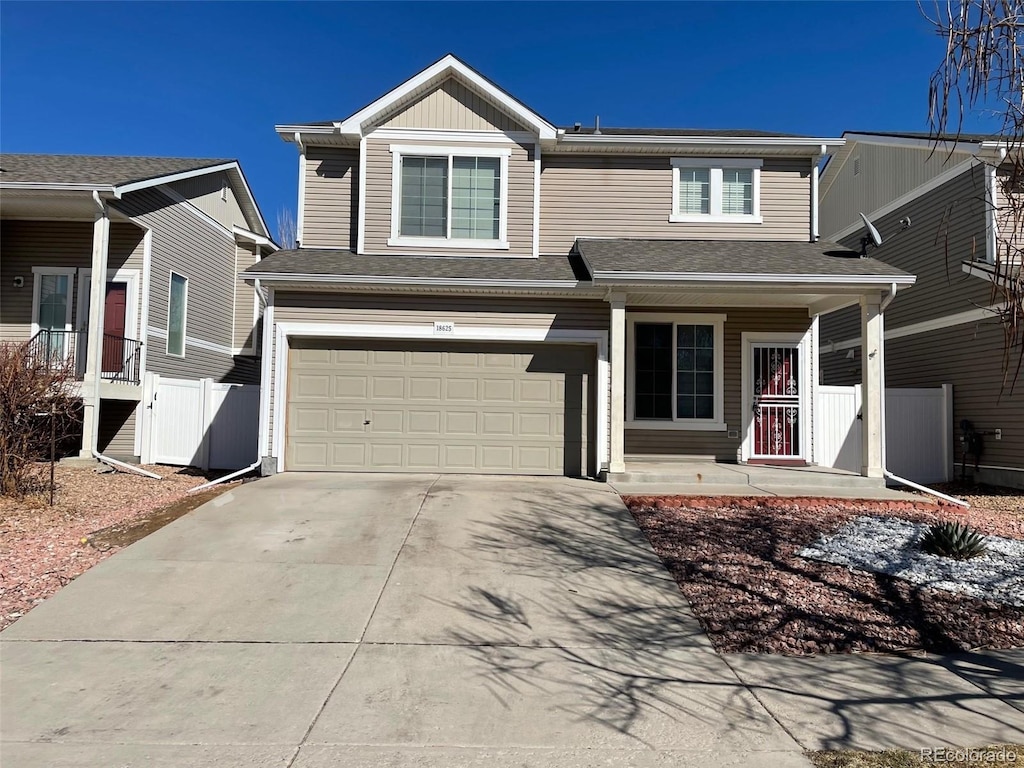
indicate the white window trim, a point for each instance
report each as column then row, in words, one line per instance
column 715, row 166
column 129, row 277
column 398, row 151
column 184, row 317
column 715, row 424
column 37, row 272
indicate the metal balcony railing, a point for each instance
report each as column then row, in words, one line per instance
column 121, row 357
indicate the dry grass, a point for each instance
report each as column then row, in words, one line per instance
column 42, row 548
column 1002, row 756
column 735, row 561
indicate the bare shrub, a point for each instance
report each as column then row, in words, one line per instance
column 36, row 385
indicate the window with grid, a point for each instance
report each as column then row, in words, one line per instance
column 694, row 190
column 737, row 191
column 453, row 197
column 675, row 371
column 722, row 190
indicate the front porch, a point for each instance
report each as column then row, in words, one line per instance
column 664, row 476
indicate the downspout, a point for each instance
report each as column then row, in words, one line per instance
column 259, row 439
column 885, row 471
column 815, row 173
column 101, row 279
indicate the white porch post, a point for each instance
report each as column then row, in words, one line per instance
column 94, row 337
column 872, row 326
column 617, row 353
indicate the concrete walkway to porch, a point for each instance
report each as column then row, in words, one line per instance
column 659, row 477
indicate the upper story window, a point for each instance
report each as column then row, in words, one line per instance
column 710, row 190
column 449, row 197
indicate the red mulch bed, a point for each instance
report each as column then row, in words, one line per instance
column 734, row 560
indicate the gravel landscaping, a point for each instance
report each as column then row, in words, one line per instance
column 42, row 548
column 736, row 561
column 890, row 546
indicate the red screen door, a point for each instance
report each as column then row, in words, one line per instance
column 777, row 417
column 113, row 327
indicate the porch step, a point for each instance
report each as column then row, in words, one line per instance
column 711, row 475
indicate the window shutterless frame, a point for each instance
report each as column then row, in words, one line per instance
column 715, row 168
column 717, row 321
column 182, row 308
column 397, row 239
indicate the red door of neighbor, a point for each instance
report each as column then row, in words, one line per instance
column 113, row 327
column 777, row 417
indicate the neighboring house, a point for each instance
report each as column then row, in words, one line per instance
column 171, row 235
column 476, row 290
column 944, row 331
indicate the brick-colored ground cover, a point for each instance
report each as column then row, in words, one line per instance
column 734, row 559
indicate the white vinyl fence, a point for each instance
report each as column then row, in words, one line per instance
column 200, row 423
column 918, row 431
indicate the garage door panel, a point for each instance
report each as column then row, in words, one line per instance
column 438, row 406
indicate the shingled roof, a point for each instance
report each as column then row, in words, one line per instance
column 94, row 169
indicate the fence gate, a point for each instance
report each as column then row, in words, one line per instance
column 201, row 423
column 918, row 431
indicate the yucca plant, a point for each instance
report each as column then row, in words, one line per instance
column 955, row 540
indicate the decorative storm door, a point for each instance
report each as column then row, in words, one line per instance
column 777, row 414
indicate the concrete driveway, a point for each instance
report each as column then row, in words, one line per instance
column 319, row 620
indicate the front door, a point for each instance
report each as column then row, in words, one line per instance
column 114, row 310
column 776, row 428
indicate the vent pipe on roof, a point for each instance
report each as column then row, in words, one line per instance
column 597, row 125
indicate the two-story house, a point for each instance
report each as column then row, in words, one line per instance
column 170, row 235
column 478, row 290
column 941, row 209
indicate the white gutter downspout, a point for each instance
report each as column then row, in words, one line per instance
column 259, row 439
column 815, row 234
column 885, row 471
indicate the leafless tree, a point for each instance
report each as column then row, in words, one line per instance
column 982, row 74
column 36, row 386
column 286, row 230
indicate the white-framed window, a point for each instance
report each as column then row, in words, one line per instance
column 449, row 197
column 177, row 314
column 51, row 306
column 716, row 190
column 674, row 375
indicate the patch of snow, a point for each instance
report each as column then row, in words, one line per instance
column 891, row 546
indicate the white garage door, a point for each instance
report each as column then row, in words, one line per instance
column 438, row 407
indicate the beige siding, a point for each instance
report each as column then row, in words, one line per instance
column 245, row 297
column 184, row 243
column 207, row 193
column 116, row 435
column 1010, row 205
column 378, row 201
column 886, row 173
column 968, row 356
column 452, row 106
column 331, row 187
column 948, row 227
column 631, row 196
column 27, row 244
column 466, row 312
column 718, row 444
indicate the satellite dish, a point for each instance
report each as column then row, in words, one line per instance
column 871, row 237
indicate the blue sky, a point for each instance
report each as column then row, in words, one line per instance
column 212, row 79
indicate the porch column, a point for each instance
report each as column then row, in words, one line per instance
column 94, row 337
column 617, row 353
column 872, row 327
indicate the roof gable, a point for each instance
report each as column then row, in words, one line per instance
column 417, row 88
column 454, row 106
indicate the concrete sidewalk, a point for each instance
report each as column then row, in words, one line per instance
column 366, row 620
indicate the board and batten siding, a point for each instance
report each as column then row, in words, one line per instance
column 947, row 228
column 205, row 254
column 717, row 445
column 873, row 175
column 378, row 200
column 213, row 194
column 480, row 311
column 452, row 106
column 588, row 195
column 246, row 254
column 331, row 188
column 27, row 244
